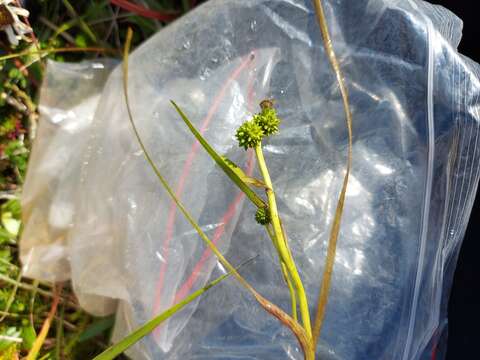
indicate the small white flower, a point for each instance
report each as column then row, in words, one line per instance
column 11, row 23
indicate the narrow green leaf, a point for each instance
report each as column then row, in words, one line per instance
column 29, row 336
column 147, row 328
column 227, row 169
column 186, row 5
column 82, row 23
column 11, row 298
column 335, row 229
column 241, row 174
column 96, row 328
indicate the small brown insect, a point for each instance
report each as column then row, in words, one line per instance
column 267, row 104
column 6, row 17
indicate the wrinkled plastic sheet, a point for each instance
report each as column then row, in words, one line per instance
column 95, row 212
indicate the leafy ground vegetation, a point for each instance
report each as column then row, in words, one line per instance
column 42, row 320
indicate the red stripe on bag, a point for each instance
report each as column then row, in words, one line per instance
column 180, row 187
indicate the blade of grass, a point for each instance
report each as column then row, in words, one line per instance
column 335, row 230
column 86, row 29
column 11, row 298
column 29, row 336
column 73, row 338
column 40, row 291
column 96, row 328
column 186, row 5
column 244, row 177
column 220, row 160
column 148, row 327
column 33, row 295
column 62, row 30
column 24, row 285
column 268, row 306
column 12, row 315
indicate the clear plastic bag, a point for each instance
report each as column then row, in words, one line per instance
column 415, row 172
column 53, row 174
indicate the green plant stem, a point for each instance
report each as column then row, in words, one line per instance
column 281, row 243
column 42, row 292
column 286, row 276
column 45, row 52
column 11, row 298
column 86, row 29
column 12, row 315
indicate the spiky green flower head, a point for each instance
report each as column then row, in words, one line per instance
column 262, row 216
column 249, row 135
column 267, row 119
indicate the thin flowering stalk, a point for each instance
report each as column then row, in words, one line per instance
column 250, row 135
column 285, row 273
column 281, row 243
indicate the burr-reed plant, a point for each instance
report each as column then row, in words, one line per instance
column 250, row 136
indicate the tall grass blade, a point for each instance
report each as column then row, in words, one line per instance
column 86, row 29
column 97, row 328
column 147, row 328
column 335, row 230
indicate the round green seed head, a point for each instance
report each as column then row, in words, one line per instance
column 268, row 120
column 249, row 135
column 262, row 216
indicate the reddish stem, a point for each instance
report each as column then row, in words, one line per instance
column 143, row 11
